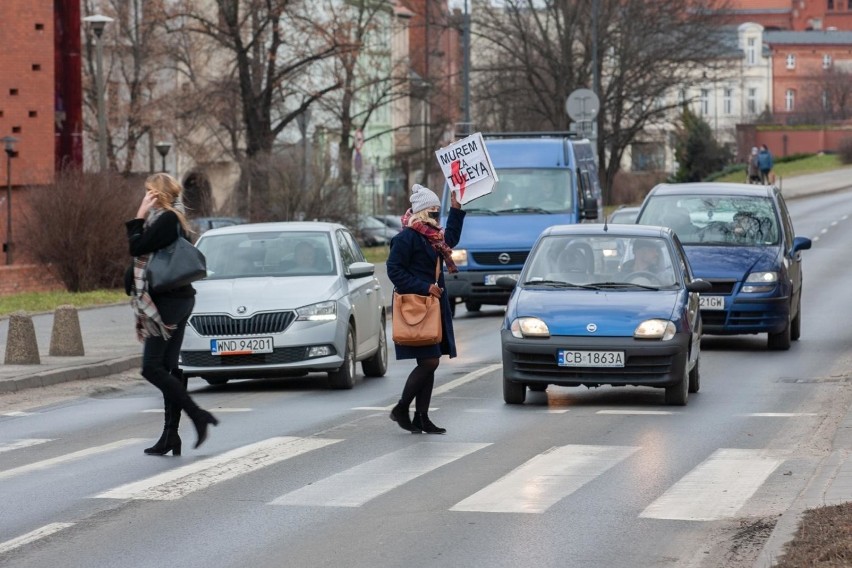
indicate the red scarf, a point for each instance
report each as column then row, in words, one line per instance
column 435, row 236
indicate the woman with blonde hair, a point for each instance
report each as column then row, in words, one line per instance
column 411, row 268
column 161, row 317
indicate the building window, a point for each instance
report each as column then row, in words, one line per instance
column 728, row 101
column 751, row 51
column 830, row 4
column 791, row 61
column 704, row 102
column 826, row 59
column 752, row 101
column 790, row 100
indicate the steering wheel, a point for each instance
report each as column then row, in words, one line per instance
column 714, row 229
column 644, row 278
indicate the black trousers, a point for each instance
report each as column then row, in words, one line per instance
column 419, row 385
column 160, row 360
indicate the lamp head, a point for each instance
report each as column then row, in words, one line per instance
column 163, row 148
column 97, row 22
column 9, row 143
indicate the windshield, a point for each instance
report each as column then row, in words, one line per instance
column 526, row 190
column 601, row 262
column 715, row 219
column 288, row 253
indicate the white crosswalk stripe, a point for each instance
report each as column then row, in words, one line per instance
column 24, row 443
column 181, row 481
column 357, row 485
column 545, row 479
column 718, row 487
column 45, row 464
column 33, row 536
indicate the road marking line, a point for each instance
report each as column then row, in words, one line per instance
column 431, row 408
column 160, row 410
column 357, row 485
column 181, row 481
column 781, row 414
column 33, row 536
column 544, row 480
column 472, row 376
column 44, row 464
column 24, row 443
column 718, row 487
column 637, row 412
column 17, row 413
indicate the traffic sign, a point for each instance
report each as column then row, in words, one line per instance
column 582, row 105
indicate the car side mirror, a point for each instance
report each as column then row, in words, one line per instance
column 360, row 270
column 506, row 282
column 588, row 203
column 800, row 243
column 699, row 285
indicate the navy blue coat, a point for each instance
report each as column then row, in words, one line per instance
column 411, row 269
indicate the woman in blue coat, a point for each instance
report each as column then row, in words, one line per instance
column 411, row 267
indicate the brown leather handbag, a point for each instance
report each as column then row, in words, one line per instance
column 416, row 318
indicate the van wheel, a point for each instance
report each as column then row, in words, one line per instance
column 695, row 376
column 796, row 324
column 473, row 306
column 453, row 301
column 780, row 341
column 215, row 381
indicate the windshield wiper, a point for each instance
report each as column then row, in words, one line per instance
column 479, row 210
column 624, row 285
column 524, row 210
column 559, row 284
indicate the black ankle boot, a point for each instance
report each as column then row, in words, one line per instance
column 201, row 419
column 400, row 416
column 422, row 422
column 168, row 442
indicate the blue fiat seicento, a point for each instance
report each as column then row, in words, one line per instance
column 739, row 238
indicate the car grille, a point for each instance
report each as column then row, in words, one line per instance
column 481, row 292
column 738, row 318
column 279, row 356
column 723, row 287
column 222, row 325
column 490, row 258
column 545, row 365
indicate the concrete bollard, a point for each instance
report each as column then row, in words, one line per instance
column 21, row 344
column 66, row 340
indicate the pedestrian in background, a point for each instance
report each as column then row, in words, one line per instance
column 161, row 318
column 411, row 269
column 753, row 168
column 764, row 163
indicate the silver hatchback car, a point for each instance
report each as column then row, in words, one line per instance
column 285, row 299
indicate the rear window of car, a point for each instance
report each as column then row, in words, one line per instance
column 715, row 219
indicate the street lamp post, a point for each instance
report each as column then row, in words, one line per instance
column 9, row 143
column 98, row 22
column 163, row 148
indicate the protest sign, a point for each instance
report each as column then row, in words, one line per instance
column 467, row 168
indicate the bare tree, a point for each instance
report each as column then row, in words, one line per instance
column 827, row 96
column 534, row 53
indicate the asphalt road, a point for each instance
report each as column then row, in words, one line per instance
column 297, row 475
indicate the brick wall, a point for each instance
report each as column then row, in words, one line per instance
column 27, row 278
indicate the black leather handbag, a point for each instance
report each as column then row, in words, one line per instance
column 176, row 265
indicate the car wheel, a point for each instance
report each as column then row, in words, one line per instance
column 215, row 381
column 344, row 377
column 514, row 393
column 796, row 324
column 452, row 306
column 538, row 388
column 695, row 376
column 780, row 341
column 677, row 394
column 377, row 365
column 472, row 306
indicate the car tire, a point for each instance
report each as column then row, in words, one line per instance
column 695, row 376
column 216, row 381
column 538, row 388
column 780, row 341
column 472, row 306
column 377, row 365
column 452, row 306
column 514, row 393
column 344, row 377
column 677, row 394
column 796, row 324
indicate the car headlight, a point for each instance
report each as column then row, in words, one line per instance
column 529, row 327
column 460, row 257
column 323, row 311
column 655, row 329
column 760, row 282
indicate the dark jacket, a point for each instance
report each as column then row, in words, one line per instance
column 411, row 269
column 764, row 160
column 160, row 234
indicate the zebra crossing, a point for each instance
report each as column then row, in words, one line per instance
column 715, row 489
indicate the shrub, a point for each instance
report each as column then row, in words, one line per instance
column 632, row 187
column 76, row 226
column 844, row 151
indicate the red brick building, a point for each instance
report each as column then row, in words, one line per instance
column 795, row 15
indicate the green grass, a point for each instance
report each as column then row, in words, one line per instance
column 376, row 254
column 811, row 165
column 35, row 302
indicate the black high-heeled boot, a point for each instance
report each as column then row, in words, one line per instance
column 168, row 442
column 201, row 419
column 422, row 421
column 400, row 416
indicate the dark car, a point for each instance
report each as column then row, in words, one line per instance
column 371, row 232
column 584, row 312
column 392, row 221
column 740, row 238
column 203, row 224
column 623, row 215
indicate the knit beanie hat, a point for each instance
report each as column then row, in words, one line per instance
column 423, row 198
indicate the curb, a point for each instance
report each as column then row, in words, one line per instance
column 56, row 376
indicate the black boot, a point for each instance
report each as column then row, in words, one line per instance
column 173, row 411
column 168, row 442
column 400, row 415
column 201, row 419
column 422, row 422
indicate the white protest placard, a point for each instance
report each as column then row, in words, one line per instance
column 467, row 168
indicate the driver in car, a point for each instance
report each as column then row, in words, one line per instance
column 646, row 258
